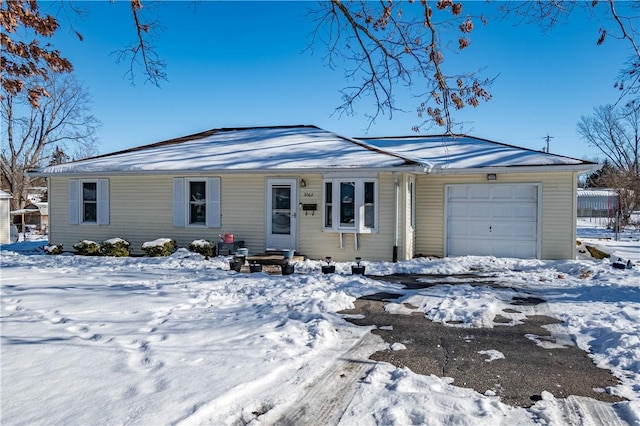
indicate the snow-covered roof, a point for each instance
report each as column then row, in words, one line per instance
column 599, row 192
column 5, row 195
column 300, row 148
column 461, row 152
column 247, row 149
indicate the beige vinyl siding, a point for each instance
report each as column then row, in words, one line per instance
column 557, row 210
column 141, row 210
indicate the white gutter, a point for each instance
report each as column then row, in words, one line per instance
column 185, row 172
column 580, row 168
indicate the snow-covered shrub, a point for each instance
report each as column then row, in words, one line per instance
column 53, row 249
column 115, row 247
column 87, row 248
column 159, row 247
column 203, row 247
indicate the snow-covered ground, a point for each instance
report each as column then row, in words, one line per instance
column 182, row 340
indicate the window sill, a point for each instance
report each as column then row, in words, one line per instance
column 351, row 231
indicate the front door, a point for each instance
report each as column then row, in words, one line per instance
column 282, row 220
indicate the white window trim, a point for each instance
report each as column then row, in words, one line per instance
column 187, row 204
column 181, row 202
column 76, row 201
column 359, row 214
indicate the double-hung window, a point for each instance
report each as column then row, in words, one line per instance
column 196, row 202
column 89, row 201
column 350, row 205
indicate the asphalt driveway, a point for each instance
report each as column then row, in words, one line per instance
column 464, row 354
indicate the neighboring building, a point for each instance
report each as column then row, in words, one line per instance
column 597, row 202
column 304, row 188
column 5, row 219
column 34, row 216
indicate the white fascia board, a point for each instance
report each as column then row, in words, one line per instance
column 580, row 168
column 324, row 170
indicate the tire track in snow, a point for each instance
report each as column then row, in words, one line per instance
column 325, row 401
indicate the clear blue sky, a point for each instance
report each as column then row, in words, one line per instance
column 244, row 64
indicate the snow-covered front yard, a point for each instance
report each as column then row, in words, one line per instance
column 182, row 340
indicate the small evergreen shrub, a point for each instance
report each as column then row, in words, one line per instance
column 159, row 247
column 87, row 248
column 203, row 247
column 53, row 249
column 115, row 247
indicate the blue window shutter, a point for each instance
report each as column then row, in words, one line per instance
column 213, row 202
column 178, row 202
column 74, row 207
column 103, row 201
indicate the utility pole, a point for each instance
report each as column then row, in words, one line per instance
column 547, row 138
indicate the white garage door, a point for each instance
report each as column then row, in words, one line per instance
column 492, row 220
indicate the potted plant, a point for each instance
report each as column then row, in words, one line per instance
column 328, row 268
column 288, row 268
column 357, row 269
column 235, row 264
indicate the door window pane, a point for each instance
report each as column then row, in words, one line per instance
column 281, row 197
column 281, row 210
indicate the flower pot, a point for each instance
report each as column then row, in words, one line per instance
column 288, row 254
column 357, row 270
column 329, row 269
column 235, row 265
column 227, row 238
column 288, row 269
column 255, row 267
column 242, row 252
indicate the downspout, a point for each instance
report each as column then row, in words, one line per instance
column 574, row 217
column 396, row 191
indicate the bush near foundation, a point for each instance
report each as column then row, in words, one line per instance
column 53, row 249
column 115, row 247
column 159, row 247
column 203, row 247
column 87, row 248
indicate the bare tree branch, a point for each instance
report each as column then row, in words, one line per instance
column 62, row 119
column 142, row 51
column 389, row 43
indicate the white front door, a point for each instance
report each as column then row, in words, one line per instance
column 282, row 213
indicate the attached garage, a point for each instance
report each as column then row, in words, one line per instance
column 480, row 197
column 499, row 220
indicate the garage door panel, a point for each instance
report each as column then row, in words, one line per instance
column 479, row 193
column 458, row 193
column 526, row 212
column 492, row 219
column 525, row 193
column 502, row 192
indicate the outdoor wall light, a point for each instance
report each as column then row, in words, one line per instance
column 491, row 176
column 303, row 183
